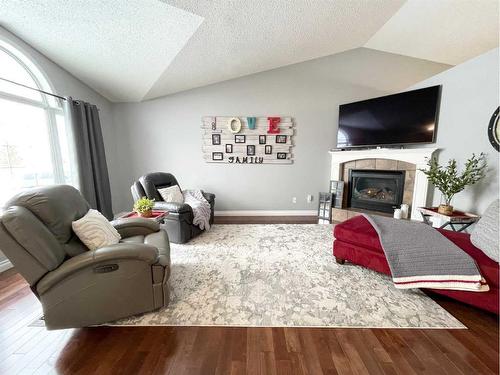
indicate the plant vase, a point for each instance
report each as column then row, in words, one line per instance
column 450, row 182
column 147, row 213
column 445, row 209
column 144, row 207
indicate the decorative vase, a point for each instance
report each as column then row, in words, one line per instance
column 445, row 209
column 405, row 211
column 148, row 213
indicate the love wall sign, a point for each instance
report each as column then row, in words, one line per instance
column 247, row 140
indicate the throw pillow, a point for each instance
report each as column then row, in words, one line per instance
column 485, row 234
column 95, row 231
column 172, row 194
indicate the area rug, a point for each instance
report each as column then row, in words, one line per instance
column 282, row 276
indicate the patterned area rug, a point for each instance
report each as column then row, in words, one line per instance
column 283, row 275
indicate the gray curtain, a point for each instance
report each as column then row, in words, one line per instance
column 90, row 156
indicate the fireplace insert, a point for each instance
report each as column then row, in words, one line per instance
column 376, row 190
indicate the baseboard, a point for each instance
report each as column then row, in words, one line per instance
column 5, row 265
column 267, row 213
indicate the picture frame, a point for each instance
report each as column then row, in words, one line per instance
column 251, row 150
column 229, row 148
column 240, row 138
column 262, row 139
column 325, row 203
column 216, row 139
column 268, row 149
column 281, row 155
column 281, row 139
column 217, row 156
column 337, row 189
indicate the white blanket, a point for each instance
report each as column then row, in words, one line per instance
column 201, row 208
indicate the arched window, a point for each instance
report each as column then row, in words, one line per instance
column 35, row 146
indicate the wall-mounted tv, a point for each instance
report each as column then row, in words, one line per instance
column 406, row 118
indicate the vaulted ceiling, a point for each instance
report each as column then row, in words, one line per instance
column 141, row 49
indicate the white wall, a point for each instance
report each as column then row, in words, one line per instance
column 468, row 99
column 65, row 84
column 164, row 134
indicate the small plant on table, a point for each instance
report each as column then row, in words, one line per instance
column 144, row 207
column 448, row 180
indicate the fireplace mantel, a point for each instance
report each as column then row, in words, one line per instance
column 415, row 156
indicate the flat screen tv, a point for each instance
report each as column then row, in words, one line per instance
column 406, row 118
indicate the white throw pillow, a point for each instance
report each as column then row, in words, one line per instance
column 484, row 236
column 95, row 231
column 172, row 194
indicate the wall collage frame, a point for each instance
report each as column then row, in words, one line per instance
column 247, row 140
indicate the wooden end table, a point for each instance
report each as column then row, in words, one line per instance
column 458, row 220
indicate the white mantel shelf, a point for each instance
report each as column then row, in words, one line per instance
column 417, row 156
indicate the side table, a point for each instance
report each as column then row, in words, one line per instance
column 458, row 220
column 158, row 216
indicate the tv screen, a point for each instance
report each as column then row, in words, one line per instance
column 408, row 117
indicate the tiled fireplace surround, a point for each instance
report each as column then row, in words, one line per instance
column 409, row 160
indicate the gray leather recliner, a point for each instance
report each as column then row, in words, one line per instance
column 78, row 287
column 179, row 222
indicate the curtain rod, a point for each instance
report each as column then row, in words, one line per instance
column 32, row 88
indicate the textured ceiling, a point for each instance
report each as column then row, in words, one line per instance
column 117, row 47
column 242, row 37
column 141, row 49
column 446, row 31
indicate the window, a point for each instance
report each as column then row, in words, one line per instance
column 35, row 146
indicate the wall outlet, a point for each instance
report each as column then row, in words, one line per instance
column 309, row 198
column 294, row 199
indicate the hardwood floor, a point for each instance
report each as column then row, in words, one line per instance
column 266, row 220
column 220, row 350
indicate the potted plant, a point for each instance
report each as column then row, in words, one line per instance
column 448, row 180
column 144, row 207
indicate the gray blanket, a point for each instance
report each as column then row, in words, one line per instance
column 421, row 257
column 201, row 208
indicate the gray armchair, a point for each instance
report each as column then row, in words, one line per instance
column 78, row 287
column 179, row 222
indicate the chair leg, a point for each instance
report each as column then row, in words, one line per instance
column 339, row 260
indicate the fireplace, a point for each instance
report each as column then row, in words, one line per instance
column 411, row 160
column 375, row 190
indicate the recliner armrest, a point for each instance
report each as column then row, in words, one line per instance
column 210, row 197
column 173, row 207
column 112, row 253
column 135, row 226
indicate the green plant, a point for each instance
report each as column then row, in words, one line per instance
column 447, row 178
column 143, row 205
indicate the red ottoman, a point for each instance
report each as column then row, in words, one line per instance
column 357, row 242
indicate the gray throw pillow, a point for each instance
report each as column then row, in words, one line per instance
column 485, row 234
